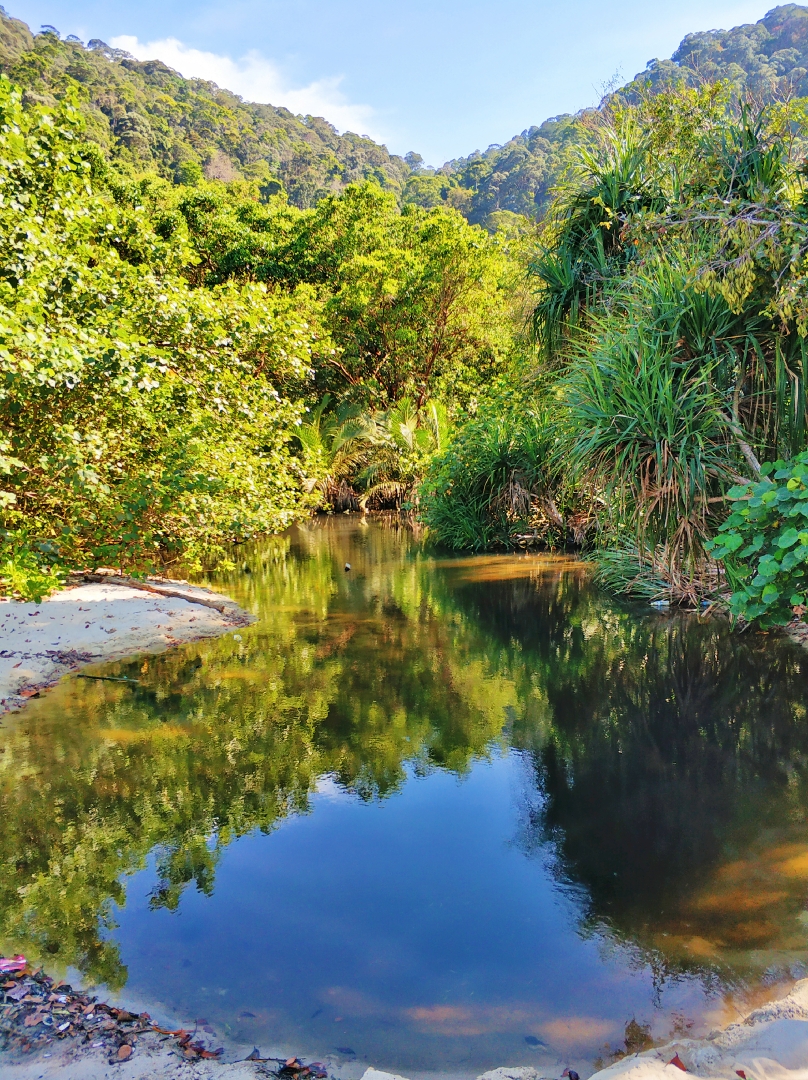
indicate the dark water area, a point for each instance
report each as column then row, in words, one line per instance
column 433, row 813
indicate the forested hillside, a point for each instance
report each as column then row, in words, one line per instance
column 768, row 58
column 146, row 116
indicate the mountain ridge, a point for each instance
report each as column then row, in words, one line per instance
column 768, row 58
column 144, row 114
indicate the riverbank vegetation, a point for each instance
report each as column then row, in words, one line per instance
column 168, row 351
column 190, row 359
column 670, row 323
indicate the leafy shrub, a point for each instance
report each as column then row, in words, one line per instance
column 29, row 575
column 764, row 544
column 143, row 420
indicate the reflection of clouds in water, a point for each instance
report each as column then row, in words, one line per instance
column 328, row 787
column 578, row 1031
column 354, row 1003
column 567, row 1032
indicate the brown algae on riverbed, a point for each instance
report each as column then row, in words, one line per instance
column 465, row 801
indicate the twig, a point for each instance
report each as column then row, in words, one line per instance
column 746, row 449
column 110, row 678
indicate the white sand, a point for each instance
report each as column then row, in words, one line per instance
column 771, row 1043
column 39, row 643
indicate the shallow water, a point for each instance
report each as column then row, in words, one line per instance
column 434, row 813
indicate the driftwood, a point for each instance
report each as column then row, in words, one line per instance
column 224, row 607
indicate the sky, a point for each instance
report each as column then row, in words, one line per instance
column 440, row 77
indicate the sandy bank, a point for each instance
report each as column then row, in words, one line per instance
column 771, row 1043
column 90, row 623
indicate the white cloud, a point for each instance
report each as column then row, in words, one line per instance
column 257, row 79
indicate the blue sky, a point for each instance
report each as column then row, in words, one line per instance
column 442, row 77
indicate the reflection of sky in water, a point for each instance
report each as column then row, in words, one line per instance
column 415, row 920
column 423, row 810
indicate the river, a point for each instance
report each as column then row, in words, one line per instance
column 433, row 813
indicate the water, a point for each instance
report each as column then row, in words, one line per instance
column 434, row 813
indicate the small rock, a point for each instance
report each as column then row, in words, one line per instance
column 377, row 1074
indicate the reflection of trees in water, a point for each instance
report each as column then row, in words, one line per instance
column 662, row 749
column 352, row 677
column 670, row 773
column 673, row 783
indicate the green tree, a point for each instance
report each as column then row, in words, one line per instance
column 142, row 418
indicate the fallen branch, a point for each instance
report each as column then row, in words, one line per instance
column 109, row 678
column 224, row 607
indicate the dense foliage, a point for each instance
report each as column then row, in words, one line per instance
column 415, row 301
column 190, row 358
column 670, row 313
column 764, row 543
column 500, row 482
column 141, row 418
column 161, row 346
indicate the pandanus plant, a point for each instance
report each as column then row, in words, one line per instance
column 400, row 442
column 613, row 181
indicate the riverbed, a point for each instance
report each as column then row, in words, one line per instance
column 433, row 813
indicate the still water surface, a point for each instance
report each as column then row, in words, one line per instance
column 437, row 813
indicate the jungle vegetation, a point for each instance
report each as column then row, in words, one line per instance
column 166, row 349
column 194, row 356
column 146, row 116
column 670, row 321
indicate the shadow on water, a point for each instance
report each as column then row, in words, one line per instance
column 629, row 841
